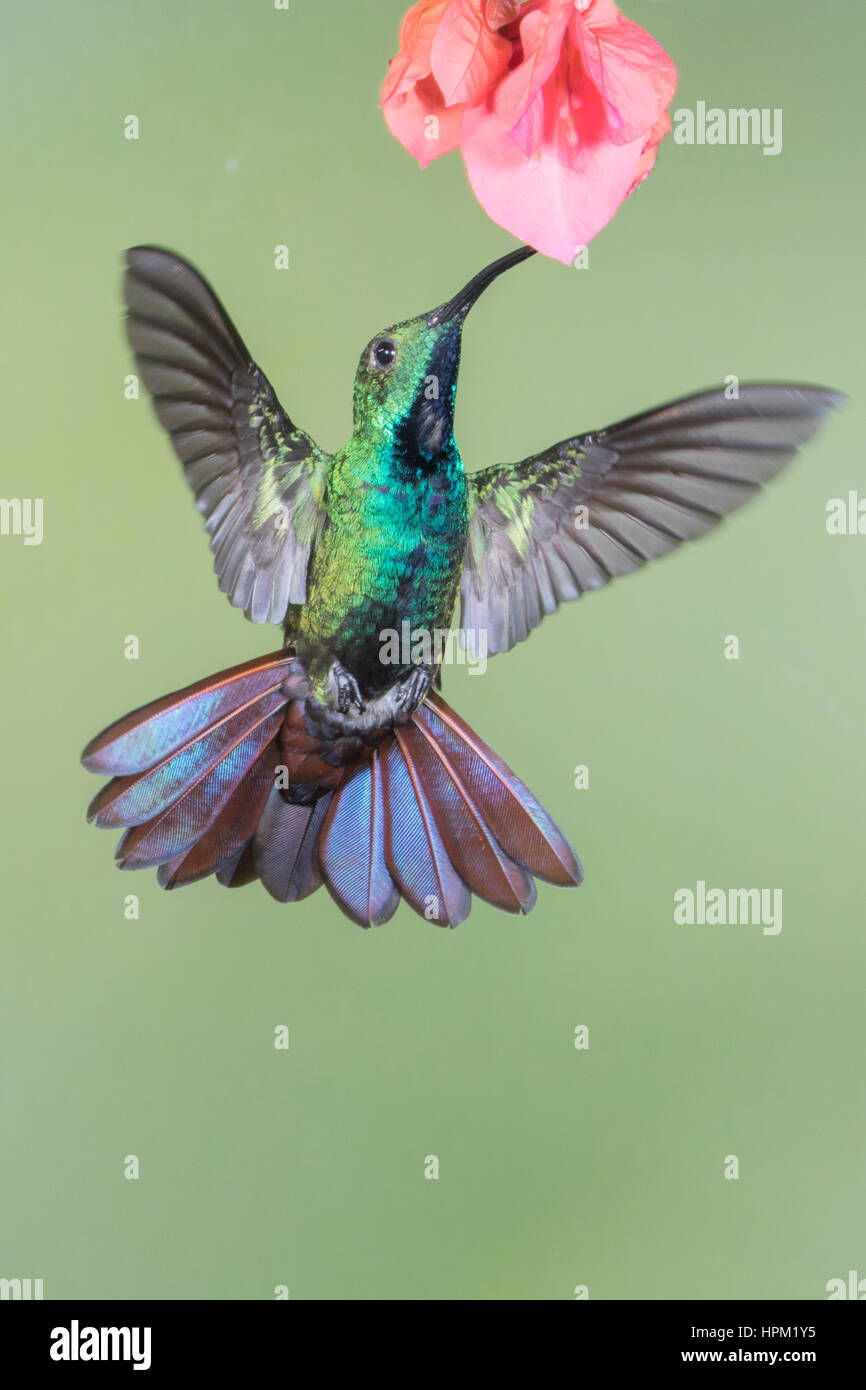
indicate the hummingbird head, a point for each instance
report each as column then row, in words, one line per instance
column 406, row 380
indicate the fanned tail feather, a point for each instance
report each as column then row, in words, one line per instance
column 230, row 829
column 194, row 769
column 477, row 856
column 182, row 788
column 238, row 871
column 284, row 847
column 415, row 853
column 352, row 849
column 429, row 814
column 434, row 816
column 516, row 819
column 147, row 735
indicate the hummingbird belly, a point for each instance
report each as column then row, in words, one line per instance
column 382, row 588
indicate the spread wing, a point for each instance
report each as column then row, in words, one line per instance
column 258, row 479
column 600, row 505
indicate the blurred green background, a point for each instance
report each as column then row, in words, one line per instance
column 154, row 1037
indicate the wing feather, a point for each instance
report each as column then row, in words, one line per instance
column 258, row 479
column 599, row 505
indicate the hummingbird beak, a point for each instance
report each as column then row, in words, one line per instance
column 459, row 306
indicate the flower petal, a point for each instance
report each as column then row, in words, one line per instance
column 501, row 12
column 412, row 63
column 542, row 33
column 633, row 74
column 467, row 55
column 554, row 205
column 648, row 157
column 423, row 124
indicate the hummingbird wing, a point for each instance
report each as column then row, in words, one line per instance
column 599, row 505
column 258, row 479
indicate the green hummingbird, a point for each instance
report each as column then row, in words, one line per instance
column 335, row 759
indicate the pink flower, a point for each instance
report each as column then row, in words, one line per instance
column 558, row 107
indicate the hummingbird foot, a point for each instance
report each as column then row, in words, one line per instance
column 347, row 689
column 411, row 692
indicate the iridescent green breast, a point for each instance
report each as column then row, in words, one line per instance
column 391, row 554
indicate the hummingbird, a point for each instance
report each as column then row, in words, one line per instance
column 323, row 762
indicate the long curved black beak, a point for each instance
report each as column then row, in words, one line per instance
column 462, row 302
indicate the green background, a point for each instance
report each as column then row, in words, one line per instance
column 154, row 1037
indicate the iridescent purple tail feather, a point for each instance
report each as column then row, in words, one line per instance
column 225, row 778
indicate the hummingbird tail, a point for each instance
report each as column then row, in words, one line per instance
column 223, row 778
column 434, row 816
column 192, row 771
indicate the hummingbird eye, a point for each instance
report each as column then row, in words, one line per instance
column 384, row 353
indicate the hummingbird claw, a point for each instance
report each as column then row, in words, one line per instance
column 412, row 690
column 348, row 690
